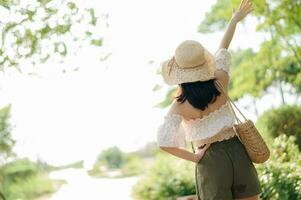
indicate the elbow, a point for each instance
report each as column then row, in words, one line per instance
column 163, row 148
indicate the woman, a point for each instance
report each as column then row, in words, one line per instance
column 202, row 115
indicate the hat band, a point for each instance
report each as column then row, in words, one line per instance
column 177, row 65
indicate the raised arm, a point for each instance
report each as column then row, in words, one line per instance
column 223, row 58
column 244, row 9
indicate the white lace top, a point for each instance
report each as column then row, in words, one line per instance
column 175, row 131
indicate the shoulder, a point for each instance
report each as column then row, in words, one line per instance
column 223, row 59
column 222, row 53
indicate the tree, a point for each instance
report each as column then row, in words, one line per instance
column 285, row 119
column 112, row 157
column 6, row 141
column 278, row 60
column 279, row 57
column 38, row 30
column 150, row 149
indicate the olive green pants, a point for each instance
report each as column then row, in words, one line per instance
column 226, row 172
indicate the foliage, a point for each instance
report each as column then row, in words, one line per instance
column 76, row 165
column 29, row 188
column 283, row 120
column 218, row 21
column 133, row 165
column 19, row 168
column 97, row 171
column 167, row 178
column 6, row 141
column 150, row 149
column 22, row 179
column 279, row 57
column 41, row 29
column 130, row 163
column 280, row 176
column 259, row 77
column 112, row 157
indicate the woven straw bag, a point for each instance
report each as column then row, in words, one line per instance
column 250, row 137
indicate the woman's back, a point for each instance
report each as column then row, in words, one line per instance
column 211, row 124
column 191, row 113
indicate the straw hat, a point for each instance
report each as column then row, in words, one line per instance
column 191, row 62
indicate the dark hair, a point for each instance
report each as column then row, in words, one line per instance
column 199, row 94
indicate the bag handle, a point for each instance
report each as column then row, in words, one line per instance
column 222, row 88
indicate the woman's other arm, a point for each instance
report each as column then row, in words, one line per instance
column 244, row 9
column 184, row 154
column 171, row 135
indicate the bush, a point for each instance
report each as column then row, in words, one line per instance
column 18, row 169
column 134, row 165
column 283, row 120
column 280, row 176
column 129, row 164
column 29, row 188
column 109, row 159
column 22, row 179
column 112, row 157
column 168, row 178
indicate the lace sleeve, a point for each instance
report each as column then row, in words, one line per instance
column 223, row 60
column 170, row 133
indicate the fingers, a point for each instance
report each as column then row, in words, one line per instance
column 245, row 5
column 241, row 4
column 250, row 10
column 207, row 146
column 204, row 148
column 248, row 6
column 245, row 8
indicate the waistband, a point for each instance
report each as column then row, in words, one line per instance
column 224, row 134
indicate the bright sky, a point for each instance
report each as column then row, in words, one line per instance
column 67, row 117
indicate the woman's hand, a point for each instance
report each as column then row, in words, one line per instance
column 244, row 9
column 187, row 155
column 200, row 153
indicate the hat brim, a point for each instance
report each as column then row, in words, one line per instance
column 182, row 75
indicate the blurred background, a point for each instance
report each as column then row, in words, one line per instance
column 82, row 96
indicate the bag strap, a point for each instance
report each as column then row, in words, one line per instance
column 192, row 147
column 222, row 88
column 195, row 175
